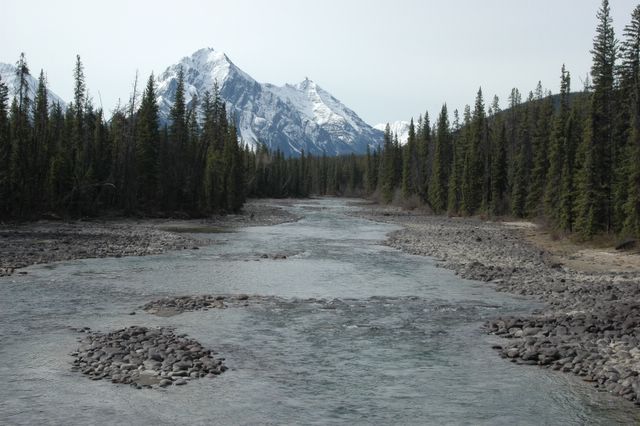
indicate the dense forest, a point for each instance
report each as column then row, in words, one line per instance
column 73, row 162
column 572, row 158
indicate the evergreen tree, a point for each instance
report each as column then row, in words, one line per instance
column 455, row 172
column 630, row 166
column 148, row 141
column 388, row 168
column 5, row 151
column 424, row 138
column 409, row 164
column 20, row 134
column 40, row 144
column 498, row 161
column 438, row 191
column 558, row 151
column 177, row 146
column 472, row 180
column 594, row 203
column 541, row 135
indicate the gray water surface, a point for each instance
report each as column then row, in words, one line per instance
column 360, row 334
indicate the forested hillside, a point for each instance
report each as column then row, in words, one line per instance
column 570, row 158
column 575, row 161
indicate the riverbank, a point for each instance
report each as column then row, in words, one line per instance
column 590, row 325
column 40, row 242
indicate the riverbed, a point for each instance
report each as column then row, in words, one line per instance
column 357, row 333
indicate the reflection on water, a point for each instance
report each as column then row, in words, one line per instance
column 359, row 333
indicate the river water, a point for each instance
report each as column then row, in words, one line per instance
column 360, row 334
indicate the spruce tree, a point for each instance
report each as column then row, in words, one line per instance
column 473, row 173
column 629, row 167
column 20, row 156
column 558, row 151
column 540, row 142
column 5, row 150
column 594, row 203
column 147, row 143
column 388, row 167
column 498, row 161
column 424, row 138
column 438, row 182
column 40, row 144
column 177, row 149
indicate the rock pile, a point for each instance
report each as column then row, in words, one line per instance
column 46, row 242
column 144, row 357
column 602, row 346
column 169, row 306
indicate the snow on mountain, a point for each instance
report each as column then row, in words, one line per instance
column 8, row 76
column 400, row 128
column 291, row 118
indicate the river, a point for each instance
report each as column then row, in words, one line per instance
column 359, row 334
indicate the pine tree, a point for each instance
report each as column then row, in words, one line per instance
column 540, row 141
column 388, row 167
column 558, row 152
column 461, row 147
column 5, row 151
column 147, row 143
column 473, row 173
column 234, row 187
column 594, row 209
column 409, row 164
column 498, row 161
column 20, row 134
column 177, row 148
column 40, row 144
column 438, row 190
column 522, row 163
column 424, row 141
column 630, row 187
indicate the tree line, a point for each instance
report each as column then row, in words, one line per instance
column 572, row 159
column 72, row 161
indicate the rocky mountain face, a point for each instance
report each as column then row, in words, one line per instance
column 291, row 118
column 8, row 77
column 399, row 128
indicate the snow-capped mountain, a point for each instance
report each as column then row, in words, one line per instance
column 8, row 76
column 292, row 118
column 400, row 128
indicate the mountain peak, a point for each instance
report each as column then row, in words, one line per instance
column 291, row 118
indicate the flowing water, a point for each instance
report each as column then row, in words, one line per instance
column 359, row 334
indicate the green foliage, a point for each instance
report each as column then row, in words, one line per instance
column 439, row 181
column 473, row 169
column 388, row 169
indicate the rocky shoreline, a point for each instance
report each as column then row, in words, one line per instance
column 590, row 323
column 144, row 357
column 41, row 242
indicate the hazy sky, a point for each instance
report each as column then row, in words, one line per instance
column 387, row 60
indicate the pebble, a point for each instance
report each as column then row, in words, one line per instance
column 144, row 357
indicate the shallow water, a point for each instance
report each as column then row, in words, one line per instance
column 359, row 334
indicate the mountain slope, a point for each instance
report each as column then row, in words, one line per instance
column 291, row 118
column 8, row 76
column 400, row 128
